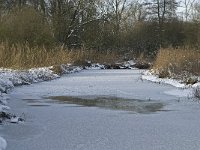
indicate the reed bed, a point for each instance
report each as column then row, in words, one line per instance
column 18, row 56
column 176, row 62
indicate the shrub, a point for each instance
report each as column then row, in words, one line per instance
column 25, row 26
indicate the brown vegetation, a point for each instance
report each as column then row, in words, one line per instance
column 32, row 32
column 177, row 62
column 23, row 56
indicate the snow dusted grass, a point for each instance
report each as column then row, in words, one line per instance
column 10, row 78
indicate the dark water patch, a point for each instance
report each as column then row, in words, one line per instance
column 38, row 105
column 38, row 101
column 138, row 106
column 32, row 100
column 28, row 99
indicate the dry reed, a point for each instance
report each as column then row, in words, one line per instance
column 19, row 56
column 173, row 62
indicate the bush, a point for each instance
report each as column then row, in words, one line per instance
column 25, row 26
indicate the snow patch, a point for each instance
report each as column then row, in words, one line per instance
column 10, row 78
column 3, row 143
column 187, row 90
column 15, row 119
column 95, row 66
column 121, row 65
column 147, row 75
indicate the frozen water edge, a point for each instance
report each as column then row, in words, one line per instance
column 187, row 89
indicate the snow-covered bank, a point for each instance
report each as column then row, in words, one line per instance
column 150, row 76
column 10, row 78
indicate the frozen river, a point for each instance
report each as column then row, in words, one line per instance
column 102, row 110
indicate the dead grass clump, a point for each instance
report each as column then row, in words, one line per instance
column 176, row 62
column 191, row 80
column 20, row 56
column 57, row 69
column 164, row 73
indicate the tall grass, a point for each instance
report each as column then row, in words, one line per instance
column 177, row 62
column 20, row 56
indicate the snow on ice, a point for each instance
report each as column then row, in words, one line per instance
column 187, row 89
column 3, row 143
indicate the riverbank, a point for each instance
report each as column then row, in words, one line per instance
column 190, row 89
column 179, row 67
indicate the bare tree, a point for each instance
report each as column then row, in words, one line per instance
column 196, row 12
column 161, row 11
column 188, row 6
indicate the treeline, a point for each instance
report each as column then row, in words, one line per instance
column 137, row 25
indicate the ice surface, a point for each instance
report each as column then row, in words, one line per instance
column 3, row 144
column 59, row 126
